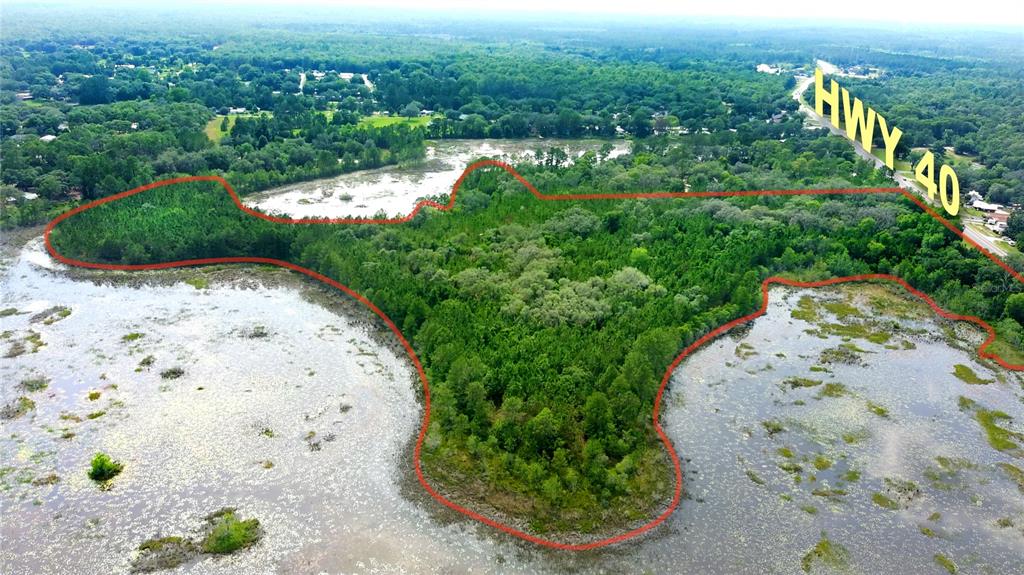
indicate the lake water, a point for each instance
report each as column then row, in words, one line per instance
column 259, row 354
column 395, row 190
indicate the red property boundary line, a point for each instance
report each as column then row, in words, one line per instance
column 765, row 285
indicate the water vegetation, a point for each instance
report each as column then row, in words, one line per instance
column 223, row 533
column 17, row 408
column 830, row 554
column 172, row 373
column 946, row 563
column 884, row 501
column 34, row 384
column 227, row 533
column 967, row 375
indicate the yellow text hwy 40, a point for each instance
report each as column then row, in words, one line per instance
column 857, row 120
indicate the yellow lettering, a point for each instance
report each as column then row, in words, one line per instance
column 925, row 170
column 946, row 174
column 891, row 139
column 820, row 96
column 855, row 120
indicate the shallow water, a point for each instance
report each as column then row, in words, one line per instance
column 395, row 190
column 339, row 508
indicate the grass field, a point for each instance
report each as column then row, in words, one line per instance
column 213, row 131
column 379, row 121
column 898, row 165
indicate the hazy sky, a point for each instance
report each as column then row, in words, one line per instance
column 895, row 12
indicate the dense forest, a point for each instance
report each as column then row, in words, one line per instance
column 545, row 326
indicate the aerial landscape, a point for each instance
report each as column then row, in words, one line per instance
column 393, row 288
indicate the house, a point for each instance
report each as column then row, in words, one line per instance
column 985, row 206
column 24, row 95
column 997, row 227
column 1000, row 216
column 236, row 110
column 48, row 138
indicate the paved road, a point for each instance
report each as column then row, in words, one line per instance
column 803, row 83
column 985, row 241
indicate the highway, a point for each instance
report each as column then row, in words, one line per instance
column 984, row 240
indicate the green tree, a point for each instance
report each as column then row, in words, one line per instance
column 94, row 90
column 543, row 431
column 1015, row 307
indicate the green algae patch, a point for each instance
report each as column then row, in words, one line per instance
column 946, row 563
column 856, row 331
column 745, row 350
column 826, row 552
column 163, row 553
column 947, row 471
column 755, row 477
column 998, row 437
column 228, row 533
column 878, row 410
column 772, row 426
column 35, row 384
column 172, row 373
column 796, row 382
column 790, row 467
column 842, row 310
column 967, row 375
column 854, row 347
column 841, row 354
column 883, row 501
column 965, row 403
column 806, row 310
column 134, row 336
column 17, row 408
column 821, row 463
column 833, row 389
column 855, row 437
column 1015, row 474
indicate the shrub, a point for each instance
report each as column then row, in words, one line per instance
column 104, row 468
